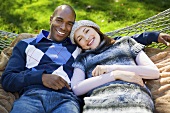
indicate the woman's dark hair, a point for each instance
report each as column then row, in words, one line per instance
column 108, row 40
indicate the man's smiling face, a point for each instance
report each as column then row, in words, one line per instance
column 61, row 23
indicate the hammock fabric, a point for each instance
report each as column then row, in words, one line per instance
column 160, row 88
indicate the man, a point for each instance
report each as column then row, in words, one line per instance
column 40, row 68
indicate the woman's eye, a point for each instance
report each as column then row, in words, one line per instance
column 80, row 39
column 87, row 31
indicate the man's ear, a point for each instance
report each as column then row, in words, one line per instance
column 51, row 18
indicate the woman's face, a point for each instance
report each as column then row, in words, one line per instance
column 87, row 37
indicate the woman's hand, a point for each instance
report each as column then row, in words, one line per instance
column 127, row 76
column 100, row 69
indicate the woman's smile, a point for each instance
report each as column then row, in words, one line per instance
column 91, row 42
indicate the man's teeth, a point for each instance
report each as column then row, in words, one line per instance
column 61, row 32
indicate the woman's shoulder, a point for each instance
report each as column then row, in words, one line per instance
column 81, row 56
column 125, row 38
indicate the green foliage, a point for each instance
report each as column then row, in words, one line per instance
column 157, row 45
column 33, row 15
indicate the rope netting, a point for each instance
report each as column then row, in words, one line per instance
column 159, row 22
column 6, row 39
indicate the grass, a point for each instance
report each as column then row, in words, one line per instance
column 31, row 16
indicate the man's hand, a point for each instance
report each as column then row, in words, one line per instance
column 164, row 38
column 54, row 81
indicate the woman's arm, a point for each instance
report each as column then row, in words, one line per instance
column 148, row 69
column 80, row 85
column 145, row 68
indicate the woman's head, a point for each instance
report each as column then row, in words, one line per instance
column 85, row 33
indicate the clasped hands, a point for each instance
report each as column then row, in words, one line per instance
column 118, row 74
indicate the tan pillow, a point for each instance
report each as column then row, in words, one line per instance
column 7, row 98
column 6, row 52
column 160, row 88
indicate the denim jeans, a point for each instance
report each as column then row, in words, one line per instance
column 45, row 101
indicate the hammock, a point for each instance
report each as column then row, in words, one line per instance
column 159, row 22
column 160, row 88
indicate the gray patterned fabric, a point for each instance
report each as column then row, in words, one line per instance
column 119, row 97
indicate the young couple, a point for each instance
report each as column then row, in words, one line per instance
column 110, row 72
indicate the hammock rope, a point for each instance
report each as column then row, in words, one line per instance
column 159, row 22
column 6, row 39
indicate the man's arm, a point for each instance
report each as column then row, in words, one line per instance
column 147, row 38
column 16, row 76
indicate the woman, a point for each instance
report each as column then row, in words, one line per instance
column 110, row 72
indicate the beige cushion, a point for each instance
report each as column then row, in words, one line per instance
column 160, row 88
column 7, row 98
